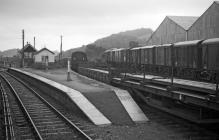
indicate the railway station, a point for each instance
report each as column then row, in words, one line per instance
column 167, row 88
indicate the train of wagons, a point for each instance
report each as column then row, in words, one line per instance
column 195, row 60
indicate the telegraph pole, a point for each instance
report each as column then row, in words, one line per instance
column 34, row 42
column 22, row 58
column 60, row 57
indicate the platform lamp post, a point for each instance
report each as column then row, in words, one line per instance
column 68, row 72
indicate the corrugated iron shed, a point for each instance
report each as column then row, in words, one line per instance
column 172, row 29
column 184, row 21
column 206, row 26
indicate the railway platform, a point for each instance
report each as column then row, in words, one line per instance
column 191, row 100
column 77, row 97
column 116, row 105
column 181, row 83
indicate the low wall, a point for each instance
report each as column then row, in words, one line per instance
column 94, row 74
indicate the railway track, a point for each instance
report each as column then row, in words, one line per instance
column 7, row 119
column 181, row 128
column 34, row 117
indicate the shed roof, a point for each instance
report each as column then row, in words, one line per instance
column 119, row 49
column 109, row 50
column 28, row 48
column 43, row 50
column 164, row 45
column 211, row 41
column 187, row 43
column 143, row 47
column 184, row 21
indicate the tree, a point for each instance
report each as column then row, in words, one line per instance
column 133, row 44
column 94, row 52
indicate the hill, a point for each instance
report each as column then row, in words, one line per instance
column 119, row 40
column 122, row 39
column 9, row 53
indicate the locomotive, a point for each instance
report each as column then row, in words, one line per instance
column 194, row 60
column 78, row 58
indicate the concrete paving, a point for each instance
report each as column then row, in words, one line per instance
column 116, row 104
column 85, row 105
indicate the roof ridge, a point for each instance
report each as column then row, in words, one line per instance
column 184, row 21
column 44, row 49
column 216, row 2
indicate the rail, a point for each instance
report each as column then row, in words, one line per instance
column 72, row 125
column 24, row 109
column 9, row 130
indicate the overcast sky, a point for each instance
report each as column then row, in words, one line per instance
column 83, row 21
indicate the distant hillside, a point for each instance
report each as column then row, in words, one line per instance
column 9, row 53
column 122, row 39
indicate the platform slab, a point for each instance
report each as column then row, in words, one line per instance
column 130, row 105
column 85, row 105
column 134, row 111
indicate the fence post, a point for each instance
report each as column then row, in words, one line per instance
column 172, row 64
column 144, row 70
column 217, row 82
column 110, row 73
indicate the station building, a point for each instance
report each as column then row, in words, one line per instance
column 44, row 55
column 29, row 52
column 31, row 55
